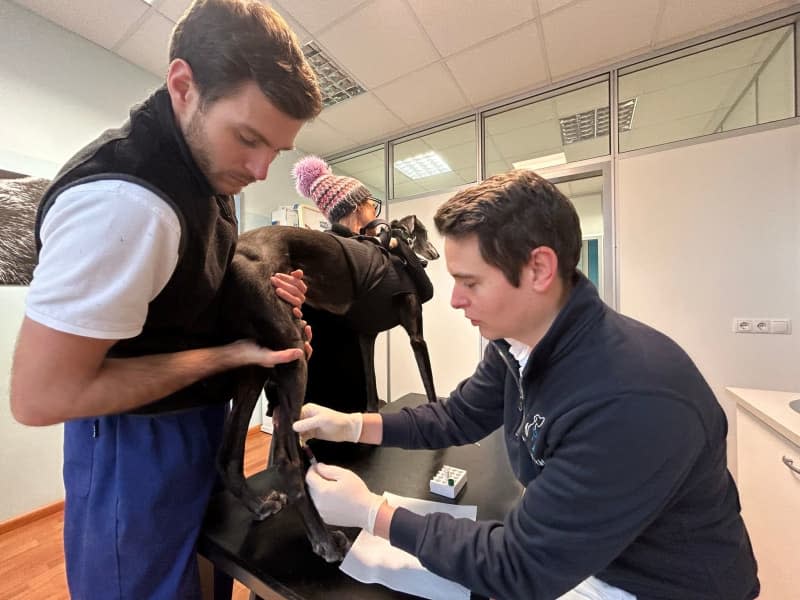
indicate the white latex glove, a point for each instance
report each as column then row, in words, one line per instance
column 342, row 498
column 325, row 424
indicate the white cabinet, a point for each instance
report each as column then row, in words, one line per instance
column 770, row 496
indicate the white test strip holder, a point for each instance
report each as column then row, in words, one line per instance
column 448, row 481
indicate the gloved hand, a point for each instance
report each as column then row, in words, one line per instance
column 325, row 424
column 342, row 498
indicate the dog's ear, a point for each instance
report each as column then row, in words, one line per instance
column 421, row 244
column 408, row 222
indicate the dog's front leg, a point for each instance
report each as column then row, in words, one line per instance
column 410, row 311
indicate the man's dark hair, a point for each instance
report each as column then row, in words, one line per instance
column 511, row 214
column 230, row 42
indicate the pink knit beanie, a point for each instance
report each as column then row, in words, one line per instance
column 335, row 195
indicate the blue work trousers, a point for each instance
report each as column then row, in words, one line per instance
column 136, row 491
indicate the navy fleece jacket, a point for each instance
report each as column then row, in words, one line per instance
column 620, row 445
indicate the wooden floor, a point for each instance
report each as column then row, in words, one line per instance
column 32, row 565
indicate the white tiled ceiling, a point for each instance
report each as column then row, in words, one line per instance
column 502, row 66
column 443, row 96
column 455, row 26
column 172, row 9
column 145, row 46
column 380, row 42
column 591, row 33
column 425, row 60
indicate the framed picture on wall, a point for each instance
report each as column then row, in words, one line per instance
column 19, row 199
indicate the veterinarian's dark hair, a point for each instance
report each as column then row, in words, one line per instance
column 511, row 214
column 230, row 42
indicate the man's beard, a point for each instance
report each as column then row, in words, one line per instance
column 198, row 143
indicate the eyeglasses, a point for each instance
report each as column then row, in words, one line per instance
column 376, row 204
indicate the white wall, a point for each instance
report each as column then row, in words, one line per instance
column 711, row 232
column 57, row 92
column 262, row 197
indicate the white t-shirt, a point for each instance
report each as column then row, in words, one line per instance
column 520, row 351
column 109, row 248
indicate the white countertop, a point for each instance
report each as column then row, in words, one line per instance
column 772, row 408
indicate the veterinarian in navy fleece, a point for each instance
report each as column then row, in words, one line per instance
column 136, row 235
column 614, row 433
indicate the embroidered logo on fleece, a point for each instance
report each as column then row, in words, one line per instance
column 532, row 434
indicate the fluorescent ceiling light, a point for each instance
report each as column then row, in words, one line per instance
column 595, row 122
column 422, row 165
column 334, row 83
column 534, row 164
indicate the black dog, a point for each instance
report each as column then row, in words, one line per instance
column 253, row 310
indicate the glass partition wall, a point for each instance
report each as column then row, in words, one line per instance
column 368, row 166
column 572, row 134
column 439, row 159
column 738, row 84
column 566, row 126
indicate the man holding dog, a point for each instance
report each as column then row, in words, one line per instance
column 614, row 433
column 135, row 236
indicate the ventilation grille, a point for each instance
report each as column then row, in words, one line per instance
column 595, row 123
column 334, row 83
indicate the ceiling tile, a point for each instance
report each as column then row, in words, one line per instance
column 500, row 67
column 597, row 32
column 363, row 118
column 303, row 36
column 172, row 9
column 687, row 18
column 317, row 137
column 148, row 45
column 314, row 15
column 472, row 22
column 546, row 6
column 423, row 96
column 103, row 23
column 380, row 42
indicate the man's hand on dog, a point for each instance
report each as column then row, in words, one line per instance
column 292, row 289
column 247, row 352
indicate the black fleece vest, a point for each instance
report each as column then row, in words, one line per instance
column 150, row 150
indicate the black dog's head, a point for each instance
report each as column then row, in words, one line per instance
column 411, row 230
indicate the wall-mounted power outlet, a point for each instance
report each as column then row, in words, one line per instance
column 779, row 326
column 761, row 326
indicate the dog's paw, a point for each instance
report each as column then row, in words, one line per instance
column 269, row 505
column 334, row 548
